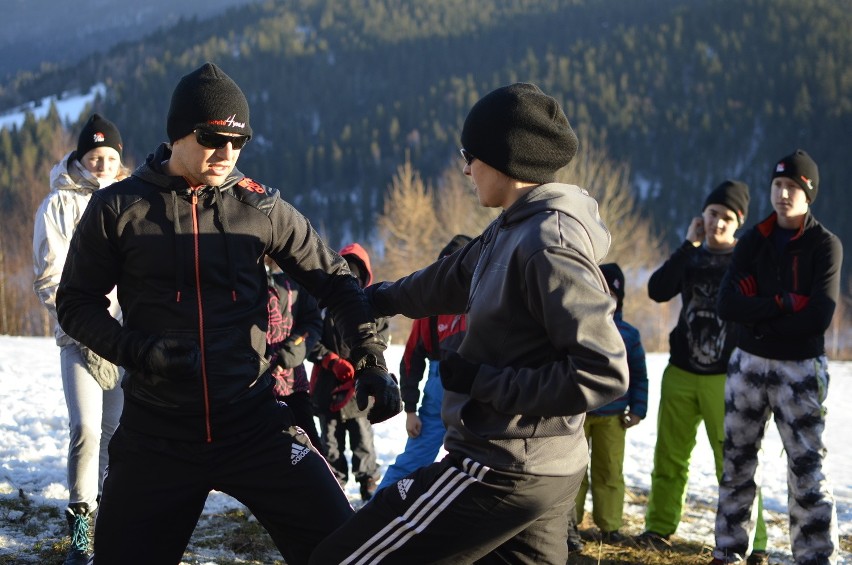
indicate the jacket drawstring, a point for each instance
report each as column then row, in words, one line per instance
column 178, row 248
column 220, row 208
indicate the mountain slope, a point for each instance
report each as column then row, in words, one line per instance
column 32, row 37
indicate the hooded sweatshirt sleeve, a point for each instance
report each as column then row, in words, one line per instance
column 51, row 238
column 565, row 295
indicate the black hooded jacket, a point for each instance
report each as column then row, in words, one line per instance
column 189, row 262
column 810, row 266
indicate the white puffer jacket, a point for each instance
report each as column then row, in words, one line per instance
column 71, row 186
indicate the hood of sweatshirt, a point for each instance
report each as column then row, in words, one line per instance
column 570, row 200
column 69, row 174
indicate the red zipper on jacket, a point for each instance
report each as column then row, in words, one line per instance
column 200, row 315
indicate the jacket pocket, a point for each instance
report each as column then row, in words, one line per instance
column 234, row 365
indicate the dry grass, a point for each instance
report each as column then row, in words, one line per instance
column 595, row 552
column 233, row 537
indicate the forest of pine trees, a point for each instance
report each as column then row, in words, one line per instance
column 351, row 97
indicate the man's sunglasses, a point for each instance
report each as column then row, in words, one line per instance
column 213, row 140
column 468, row 158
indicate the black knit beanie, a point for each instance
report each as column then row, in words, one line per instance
column 614, row 279
column 454, row 245
column 520, row 131
column 801, row 168
column 207, row 98
column 734, row 195
column 98, row 132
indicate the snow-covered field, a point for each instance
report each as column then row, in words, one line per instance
column 34, row 442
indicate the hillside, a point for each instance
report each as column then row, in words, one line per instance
column 31, row 38
column 686, row 93
column 682, row 93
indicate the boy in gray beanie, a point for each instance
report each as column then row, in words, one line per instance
column 184, row 241
column 541, row 349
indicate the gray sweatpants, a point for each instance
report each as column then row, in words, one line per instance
column 93, row 416
column 793, row 392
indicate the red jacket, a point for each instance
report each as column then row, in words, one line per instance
column 448, row 330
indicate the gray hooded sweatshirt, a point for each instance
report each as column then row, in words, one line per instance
column 540, row 323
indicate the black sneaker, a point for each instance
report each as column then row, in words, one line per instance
column 613, row 538
column 81, row 522
column 758, row 557
column 575, row 542
column 653, row 540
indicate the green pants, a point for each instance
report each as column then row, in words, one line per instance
column 685, row 400
column 606, row 442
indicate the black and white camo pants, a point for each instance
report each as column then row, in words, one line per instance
column 793, row 392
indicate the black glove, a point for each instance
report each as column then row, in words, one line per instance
column 171, row 357
column 369, row 353
column 377, row 382
column 457, row 373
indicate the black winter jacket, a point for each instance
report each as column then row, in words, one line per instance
column 189, row 262
column 809, row 266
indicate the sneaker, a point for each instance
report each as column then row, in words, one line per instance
column 722, row 561
column 368, row 488
column 758, row 557
column 613, row 538
column 81, row 522
column 575, row 542
column 653, row 540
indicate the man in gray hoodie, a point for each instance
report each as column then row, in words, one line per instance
column 541, row 350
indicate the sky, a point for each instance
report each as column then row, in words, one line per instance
column 34, row 443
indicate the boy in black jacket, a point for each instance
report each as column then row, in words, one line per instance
column 693, row 384
column 782, row 288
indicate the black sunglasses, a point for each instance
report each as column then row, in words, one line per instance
column 213, row 140
column 468, row 158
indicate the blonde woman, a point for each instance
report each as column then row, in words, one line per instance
column 93, row 399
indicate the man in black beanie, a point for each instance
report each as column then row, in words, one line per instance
column 781, row 290
column 184, row 240
column 541, row 349
column 693, row 383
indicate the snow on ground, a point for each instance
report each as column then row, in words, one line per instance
column 34, row 443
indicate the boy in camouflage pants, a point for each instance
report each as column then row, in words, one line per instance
column 781, row 287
